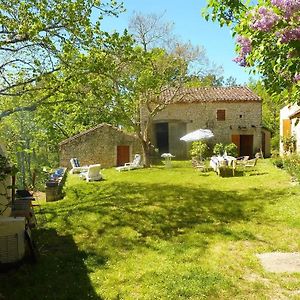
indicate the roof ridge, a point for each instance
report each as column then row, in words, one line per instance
column 86, row 132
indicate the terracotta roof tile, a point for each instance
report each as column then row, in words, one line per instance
column 211, row 94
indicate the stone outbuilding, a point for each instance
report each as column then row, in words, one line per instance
column 234, row 114
column 103, row 144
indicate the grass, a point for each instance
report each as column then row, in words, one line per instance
column 164, row 234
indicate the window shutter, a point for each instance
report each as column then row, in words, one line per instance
column 221, row 114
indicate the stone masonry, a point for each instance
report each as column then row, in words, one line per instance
column 97, row 145
column 199, row 108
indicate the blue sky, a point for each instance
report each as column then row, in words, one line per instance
column 189, row 26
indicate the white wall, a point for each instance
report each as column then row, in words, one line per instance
column 285, row 113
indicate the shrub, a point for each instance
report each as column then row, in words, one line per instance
column 199, row 149
column 218, row 149
column 291, row 164
column 276, row 159
column 231, row 149
column 289, row 144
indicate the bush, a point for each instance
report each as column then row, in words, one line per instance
column 291, row 164
column 199, row 149
column 218, row 149
column 276, row 159
column 231, row 149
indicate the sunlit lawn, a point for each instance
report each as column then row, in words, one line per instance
column 164, row 234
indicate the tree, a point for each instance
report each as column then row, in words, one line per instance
column 271, row 105
column 268, row 40
column 150, row 31
column 38, row 39
column 141, row 89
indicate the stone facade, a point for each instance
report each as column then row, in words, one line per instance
column 5, row 192
column 234, row 115
column 99, row 145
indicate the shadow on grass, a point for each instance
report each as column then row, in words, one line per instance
column 160, row 211
column 60, row 272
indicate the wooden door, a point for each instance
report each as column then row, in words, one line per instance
column 235, row 138
column 286, row 126
column 246, row 145
column 122, row 155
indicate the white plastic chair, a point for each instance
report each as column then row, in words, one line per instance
column 135, row 164
column 92, row 173
column 76, row 166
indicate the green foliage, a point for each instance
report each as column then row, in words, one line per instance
column 272, row 42
column 289, row 144
column 31, row 146
column 199, row 149
column 40, row 41
column 218, row 149
column 271, row 105
column 231, row 149
column 276, row 159
column 291, row 164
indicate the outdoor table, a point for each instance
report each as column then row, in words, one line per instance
column 223, row 162
column 167, row 157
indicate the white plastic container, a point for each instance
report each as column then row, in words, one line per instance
column 12, row 239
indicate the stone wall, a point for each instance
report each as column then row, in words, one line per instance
column 241, row 118
column 97, row 146
column 5, row 192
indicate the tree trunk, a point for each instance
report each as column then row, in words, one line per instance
column 146, row 147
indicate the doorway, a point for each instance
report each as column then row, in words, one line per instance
column 244, row 144
column 162, row 137
column 122, row 155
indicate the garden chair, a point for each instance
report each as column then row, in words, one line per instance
column 251, row 163
column 92, row 173
column 199, row 164
column 135, row 164
column 241, row 161
column 76, row 168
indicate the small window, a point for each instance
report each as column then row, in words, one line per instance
column 221, row 114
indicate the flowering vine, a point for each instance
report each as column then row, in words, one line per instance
column 269, row 40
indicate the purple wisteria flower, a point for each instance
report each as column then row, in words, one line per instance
column 288, row 7
column 241, row 60
column 289, row 34
column 264, row 19
column 297, row 77
column 245, row 45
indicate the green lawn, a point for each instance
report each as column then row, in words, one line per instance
column 164, row 234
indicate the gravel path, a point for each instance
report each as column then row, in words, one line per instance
column 279, row 262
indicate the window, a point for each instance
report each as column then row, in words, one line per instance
column 221, row 114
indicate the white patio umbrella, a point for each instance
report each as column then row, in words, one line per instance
column 197, row 135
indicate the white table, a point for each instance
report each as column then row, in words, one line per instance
column 223, row 162
column 168, row 158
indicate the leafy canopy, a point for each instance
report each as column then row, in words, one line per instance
column 268, row 39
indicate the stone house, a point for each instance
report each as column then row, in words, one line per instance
column 289, row 125
column 104, row 144
column 234, row 114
